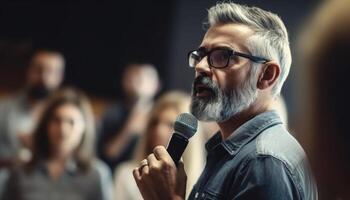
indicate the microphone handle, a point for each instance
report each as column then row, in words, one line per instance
column 177, row 146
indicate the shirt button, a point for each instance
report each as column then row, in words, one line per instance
column 196, row 195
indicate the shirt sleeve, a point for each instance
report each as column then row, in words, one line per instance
column 265, row 178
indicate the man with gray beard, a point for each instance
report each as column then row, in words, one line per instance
column 220, row 105
column 241, row 65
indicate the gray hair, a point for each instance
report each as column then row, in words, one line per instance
column 269, row 41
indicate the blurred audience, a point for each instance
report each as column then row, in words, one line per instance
column 123, row 122
column 63, row 165
column 158, row 132
column 19, row 113
column 325, row 69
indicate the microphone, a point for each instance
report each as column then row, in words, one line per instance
column 184, row 128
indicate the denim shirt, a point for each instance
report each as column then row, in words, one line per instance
column 261, row 160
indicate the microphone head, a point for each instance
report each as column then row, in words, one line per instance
column 186, row 124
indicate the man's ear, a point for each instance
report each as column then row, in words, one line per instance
column 268, row 75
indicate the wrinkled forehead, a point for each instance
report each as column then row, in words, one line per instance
column 231, row 35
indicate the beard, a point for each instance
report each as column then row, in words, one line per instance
column 38, row 92
column 220, row 105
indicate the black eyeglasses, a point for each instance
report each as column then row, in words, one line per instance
column 219, row 57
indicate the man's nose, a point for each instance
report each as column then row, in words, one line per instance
column 203, row 67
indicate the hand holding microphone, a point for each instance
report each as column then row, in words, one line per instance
column 161, row 175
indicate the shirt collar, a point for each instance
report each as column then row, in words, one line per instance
column 245, row 133
column 71, row 167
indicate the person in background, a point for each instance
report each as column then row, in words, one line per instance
column 63, row 165
column 158, row 132
column 324, row 76
column 19, row 113
column 123, row 122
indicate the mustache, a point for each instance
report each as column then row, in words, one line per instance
column 206, row 82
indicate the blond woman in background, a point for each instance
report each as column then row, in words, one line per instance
column 158, row 132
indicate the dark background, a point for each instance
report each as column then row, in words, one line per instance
column 99, row 37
